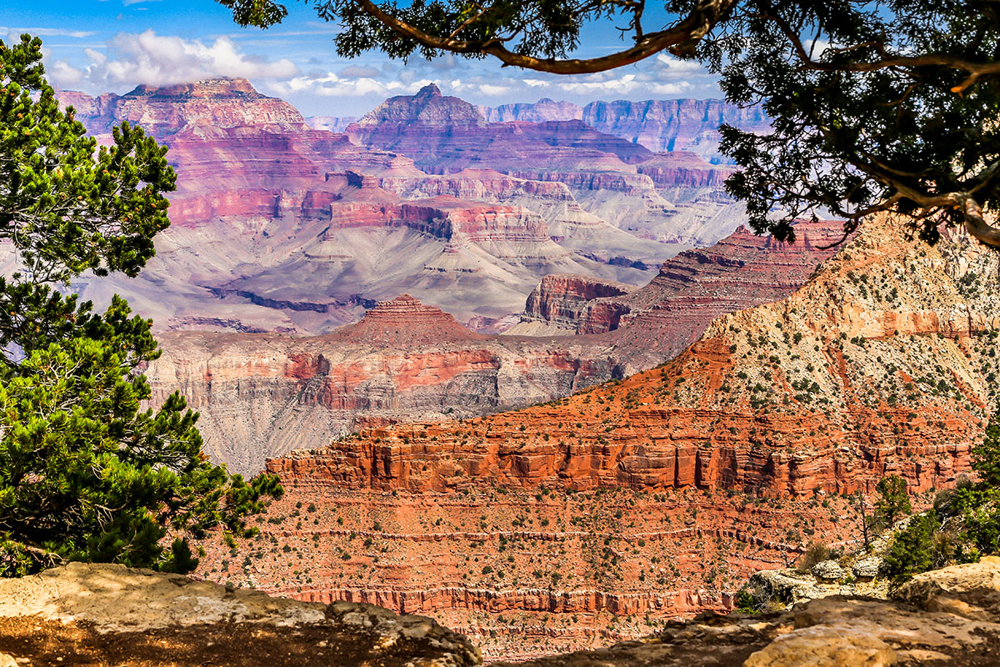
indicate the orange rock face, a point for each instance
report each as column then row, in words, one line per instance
column 407, row 361
column 653, row 497
column 659, row 320
column 261, row 395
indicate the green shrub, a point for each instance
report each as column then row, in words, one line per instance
column 816, row 553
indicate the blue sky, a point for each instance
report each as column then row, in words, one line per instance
column 113, row 45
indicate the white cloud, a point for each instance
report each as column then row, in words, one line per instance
column 334, row 85
column 46, row 32
column 676, row 65
column 609, row 84
column 64, row 74
column 816, row 47
column 131, row 59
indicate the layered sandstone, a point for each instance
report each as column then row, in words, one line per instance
column 111, row 614
column 683, row 171
column 261, row 395
column 659, row 320
column 664, row 197
column 448, row 369
column 655, row 496
column 543, row 110
column 559, row 302
column 404, row 321
column 445, row 134
column 659, row 125
column 853, row 350
column 674, row 125
column 262, row 196
column 162, row 111
column 960, row 626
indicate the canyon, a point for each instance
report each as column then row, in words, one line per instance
column 673, row 197
column 602, row 515
column 263, row 394
column 657, row 321
column 421, row 196
column 284, row 232
column 522, row 371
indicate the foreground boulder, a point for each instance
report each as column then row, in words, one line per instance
column 971, row 590
column 85, row 614
column 114, row 615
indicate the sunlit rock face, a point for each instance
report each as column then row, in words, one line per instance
column 278, row 226
column 261, row 395
column 668, row 197
column 657, row 495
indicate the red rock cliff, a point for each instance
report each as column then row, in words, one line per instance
column 654, row 495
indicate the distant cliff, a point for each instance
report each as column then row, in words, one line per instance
column 659, row 125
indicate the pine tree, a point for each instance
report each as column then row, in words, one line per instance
column 893, row 502
column 85, row 473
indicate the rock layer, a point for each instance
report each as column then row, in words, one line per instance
column 109, row 614
column 659, row 320
column 261, row 395
column 682, row 479
column 671, row 197
column 659, row 125
column 835, row 632
column 263, row 196
column 407, row 361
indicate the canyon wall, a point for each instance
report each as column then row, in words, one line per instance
column 405, row 361
column 674, row 198
column 657, row 321
column 659, row 125
column 263, row 394
column 263, row 196
column 594, row 517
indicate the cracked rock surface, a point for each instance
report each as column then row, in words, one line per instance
column 90, row 614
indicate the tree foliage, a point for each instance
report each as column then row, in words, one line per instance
column 85, row 472
column 964, row 523
column 885, row 105
column 875, row 106
column 893, row 501
column 913, row 549
column 533, row 34
column 66, row 208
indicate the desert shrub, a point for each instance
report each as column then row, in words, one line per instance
column 757, row 597
column 913, row 549
column 816, row 553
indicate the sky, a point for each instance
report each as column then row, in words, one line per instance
column 99, row 46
